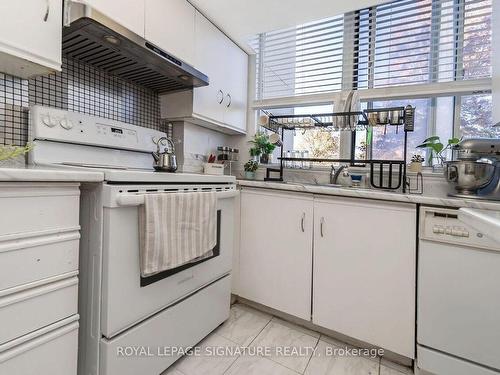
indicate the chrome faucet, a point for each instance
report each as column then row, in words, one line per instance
column 335, row 173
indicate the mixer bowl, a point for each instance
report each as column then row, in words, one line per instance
column 468, row 176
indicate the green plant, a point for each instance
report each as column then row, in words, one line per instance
column 10, row 152
column 261, row 144
column 437, row 148
column 251, row 166
column 417, row 158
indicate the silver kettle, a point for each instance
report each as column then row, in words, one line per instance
column 165, row 161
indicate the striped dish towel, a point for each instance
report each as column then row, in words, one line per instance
column 175, row 229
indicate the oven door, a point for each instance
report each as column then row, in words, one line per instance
column 127, row 298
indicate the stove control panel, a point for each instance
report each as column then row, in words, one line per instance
column 72, row 127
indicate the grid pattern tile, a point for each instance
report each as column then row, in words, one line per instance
column 79, row 88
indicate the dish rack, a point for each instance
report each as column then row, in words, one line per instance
column 397, row 118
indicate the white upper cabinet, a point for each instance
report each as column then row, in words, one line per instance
column 236, row 96
column 170, row 26
column 222, row 105
column 128, row 13
column 208, row 101
column 30, row 37
column 364, row 271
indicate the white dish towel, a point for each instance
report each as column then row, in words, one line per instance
column 175, row 229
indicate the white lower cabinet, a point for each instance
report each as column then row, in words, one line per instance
column 276, row 250
column 364, row 271
column 357, row 256
column 38, row 278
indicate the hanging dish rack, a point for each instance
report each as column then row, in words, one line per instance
column 389, row 118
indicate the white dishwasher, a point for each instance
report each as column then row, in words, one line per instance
column 458, row 297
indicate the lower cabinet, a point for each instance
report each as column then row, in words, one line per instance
column 357, row 256
column 39, row 255
column 276, row 250
column 364, row 271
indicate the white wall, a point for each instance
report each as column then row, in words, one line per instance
column 194, row 143
column 241, row 19
column 495, row 60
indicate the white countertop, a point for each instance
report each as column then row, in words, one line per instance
column 374, row 194
column 485, row 221
column 40, row 174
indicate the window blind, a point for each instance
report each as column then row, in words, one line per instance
column 306, row 59
column 424, row 41
column 404, row 42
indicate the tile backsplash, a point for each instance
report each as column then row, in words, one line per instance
column 79, row 88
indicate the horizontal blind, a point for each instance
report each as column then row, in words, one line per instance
column 424, row 41
column 400, row 43
column 306, row 59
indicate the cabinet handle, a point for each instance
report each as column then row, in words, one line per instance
column 302, row 222
column 230, row 100
column 47, row 11
column 221, row 96
column 321, row 222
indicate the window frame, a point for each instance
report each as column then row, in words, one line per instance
column 432, row 90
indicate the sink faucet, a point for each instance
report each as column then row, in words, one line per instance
column 335, row 173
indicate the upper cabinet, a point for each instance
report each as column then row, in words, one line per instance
column 222, row 105
column 171, row 26
column 30, row 37
column 128, row 13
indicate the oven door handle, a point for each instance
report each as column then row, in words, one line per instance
column 138, row 199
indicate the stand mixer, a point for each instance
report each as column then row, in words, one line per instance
column 476, row 171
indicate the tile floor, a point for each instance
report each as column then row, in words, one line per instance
column 247, row 327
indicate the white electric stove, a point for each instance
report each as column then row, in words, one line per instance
column 120, row 311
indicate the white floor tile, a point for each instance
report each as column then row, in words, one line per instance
column 340, row 344
column 324, row 363
column 243, row 325
column 391, row 368
column 172, row 371
column 211, row 360
column 256, row 365
column 281, row 336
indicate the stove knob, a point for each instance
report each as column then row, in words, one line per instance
column 66, row 124
column 48, row 121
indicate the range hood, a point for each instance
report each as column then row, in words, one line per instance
column 97, row 40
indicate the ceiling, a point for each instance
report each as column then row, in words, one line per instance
column 241, row 19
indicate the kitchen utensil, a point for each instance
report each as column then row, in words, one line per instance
column 468, row 176
column 165, row 161
column 476, row 171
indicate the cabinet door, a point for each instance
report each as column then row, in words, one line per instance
column 128, row 13
column 30, row 36
column 364, row 271
column 236, row 84
column 170, row 25
column 209, row 57
column 276, row 250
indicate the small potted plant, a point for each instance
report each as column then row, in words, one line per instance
column 7, row 153
column 437, row 150
column 416, row 163
column 250, row 168
column 261, row 147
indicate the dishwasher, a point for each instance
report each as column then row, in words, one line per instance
column 458, row 297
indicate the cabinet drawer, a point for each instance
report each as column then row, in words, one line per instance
column 52, row 350
column 33, row 207
column 37, row 307
column 36, row 257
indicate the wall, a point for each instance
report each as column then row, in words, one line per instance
column 194, row 143
column 495, row 60
column 79, row 88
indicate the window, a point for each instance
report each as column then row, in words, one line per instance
column 306, row 59
column 397, row 45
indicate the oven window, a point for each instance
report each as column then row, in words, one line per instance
column 145, row 281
